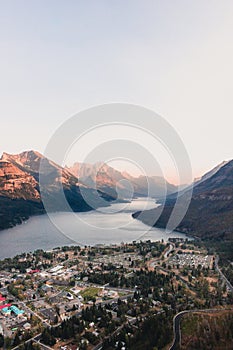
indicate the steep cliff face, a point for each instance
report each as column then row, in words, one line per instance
column 30, row 162
column 20, row 191
column 16, row 183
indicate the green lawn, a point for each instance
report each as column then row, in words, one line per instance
column 90, row 293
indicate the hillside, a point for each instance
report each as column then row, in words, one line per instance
column 16, row 183
column 210, row 214
column 212, row 331
column 20, row 193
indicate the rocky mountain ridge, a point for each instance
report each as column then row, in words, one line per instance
column 210, row 214
column 20, row 192
column 111, row 181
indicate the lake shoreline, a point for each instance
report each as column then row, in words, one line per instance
column 113, row 225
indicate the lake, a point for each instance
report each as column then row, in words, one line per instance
column 110, row 225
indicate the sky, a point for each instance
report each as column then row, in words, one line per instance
column 171, row 56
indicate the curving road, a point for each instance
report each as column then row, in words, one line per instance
column 152, row 263
column 177, row 317
column 176, row 329
column 176, row 324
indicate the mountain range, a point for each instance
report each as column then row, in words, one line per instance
column 20, row 192
column 116, row 183
column 210, row 214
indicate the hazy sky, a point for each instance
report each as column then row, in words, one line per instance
column 172, row 56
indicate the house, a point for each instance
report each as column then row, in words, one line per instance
column 2, row 299
column 27, row 326
column 47, row 288
column 6, row 311
column 69, row 296
column 16, row 310
column 62, row 311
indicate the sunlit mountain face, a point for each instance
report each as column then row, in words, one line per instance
column 20, row 192
column 109, row 180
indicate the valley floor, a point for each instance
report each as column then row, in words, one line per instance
column 114, row 297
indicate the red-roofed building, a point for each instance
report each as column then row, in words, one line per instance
column 34, row 271
column 5, row 305
column 2, row 299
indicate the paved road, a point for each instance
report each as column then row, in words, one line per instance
column 222, row 276
column 99, row 346
column 35, row 338
column 176, row 329
column 169, row 250
column 33, row 313
column 131, row 320
column 176, row 324
column 114, row 300
column 153, row 262
column 120, row 290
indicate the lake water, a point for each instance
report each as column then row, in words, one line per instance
column 110, row 225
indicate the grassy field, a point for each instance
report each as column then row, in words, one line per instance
column 90, row 293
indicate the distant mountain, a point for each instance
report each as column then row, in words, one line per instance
column 157, row 185
column 171, row 197
column 20, row 194
column 101, row 176
column 108, row 179
column 210, row 214
column 20, row 191
column 209, row 173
